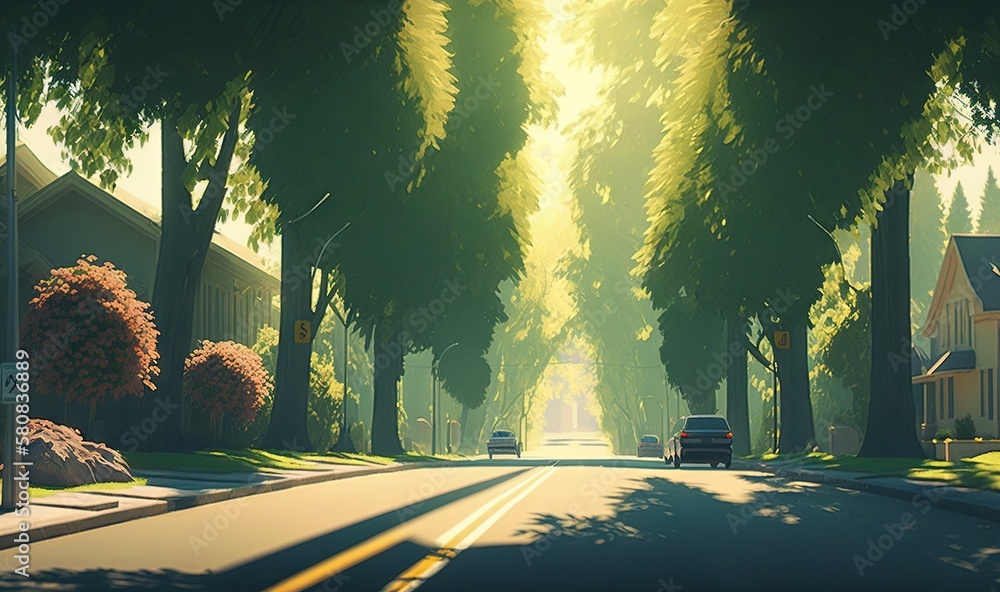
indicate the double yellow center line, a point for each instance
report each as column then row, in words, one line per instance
column 463, row 534
column 459, row 537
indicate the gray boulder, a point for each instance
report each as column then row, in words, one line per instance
column 62, row 458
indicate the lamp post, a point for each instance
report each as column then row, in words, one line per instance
column 657, row 401
column 435, row 399
column 10, row 455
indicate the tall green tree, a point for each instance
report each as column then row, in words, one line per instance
column 368, row 106
column 959, row 217
column 989, row 217
column 396, row 294
column 114, row 68
column 927, row 244
column 614, row 153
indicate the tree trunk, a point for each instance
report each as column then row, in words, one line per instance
column 737, row 409
column 185, row 237
column 795, row 405
column 287, row 429
column 703, row 403
column 388, row 367
column 891, row 430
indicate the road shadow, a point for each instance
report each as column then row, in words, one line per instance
column 661, row 535
column 264, row 571
column 63, row 580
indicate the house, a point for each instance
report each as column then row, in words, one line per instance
column 963, row 325
column 63, row 217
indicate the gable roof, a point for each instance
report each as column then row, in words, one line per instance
column 980, row 254
column 140, row 214
column 973, row 260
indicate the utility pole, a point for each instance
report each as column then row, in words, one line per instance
column 435, row 397
column 10, row 455
column 774, row 401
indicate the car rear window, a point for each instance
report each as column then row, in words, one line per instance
column 706, row 423
column 503, row 434
column 652, row 439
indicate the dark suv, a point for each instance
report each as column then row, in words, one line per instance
column 700, row 439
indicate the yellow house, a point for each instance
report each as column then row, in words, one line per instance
column 963, row 325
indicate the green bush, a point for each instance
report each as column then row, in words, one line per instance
column 326, row 396
column 943, row 434
column 965, row 428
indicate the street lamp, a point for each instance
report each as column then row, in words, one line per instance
column 657, row 401
column 435, row 396
column 10, row 455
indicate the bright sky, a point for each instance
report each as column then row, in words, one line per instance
column 550, row 144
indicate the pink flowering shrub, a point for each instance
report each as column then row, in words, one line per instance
column 89, row 337
column 226, row 379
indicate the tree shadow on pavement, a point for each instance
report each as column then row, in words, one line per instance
column 259, row 573
column 63, row 580
column 661, row 535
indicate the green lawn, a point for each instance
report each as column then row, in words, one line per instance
column 981, row 472
column 39, row 492
column 251, row 460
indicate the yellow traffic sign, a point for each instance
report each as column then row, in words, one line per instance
column 303, row 332
column 782, row 340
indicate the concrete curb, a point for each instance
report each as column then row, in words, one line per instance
column 134, row 507
column 951, row 504
column 190, row 501
column 87, row 521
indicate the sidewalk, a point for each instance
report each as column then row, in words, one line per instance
column 165, row 491
column 978, row 503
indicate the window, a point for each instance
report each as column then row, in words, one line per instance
column 947, row 321
column 941, row 397
column 706, row 423
column 931, row 401
column 989, row 399
column 982, row 393
column 951, row 397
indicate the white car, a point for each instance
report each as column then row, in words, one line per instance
column 503, row 442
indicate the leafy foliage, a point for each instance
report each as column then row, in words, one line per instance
column 989, row 217
column 91, row 338
column 959, row 217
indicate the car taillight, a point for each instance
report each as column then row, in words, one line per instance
column 729, row 435
column 684, row 434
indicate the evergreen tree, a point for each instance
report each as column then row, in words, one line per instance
column 927, row 243
column 959, row 218
column 989, row 217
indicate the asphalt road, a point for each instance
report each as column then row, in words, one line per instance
column 567, row 516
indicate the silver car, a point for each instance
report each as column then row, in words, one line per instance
column 503, row 442
column 650, row 445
